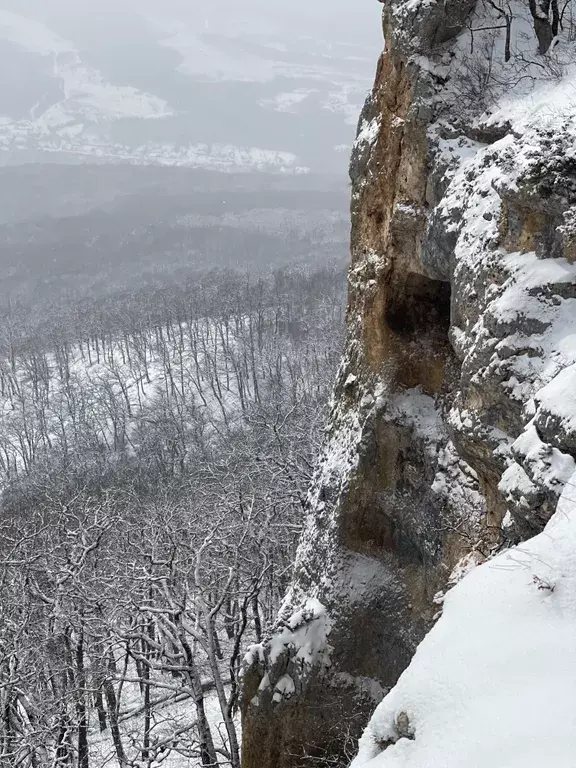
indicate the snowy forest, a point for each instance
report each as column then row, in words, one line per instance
column 155, row 455
column 287, row 384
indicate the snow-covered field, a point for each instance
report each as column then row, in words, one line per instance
column 212, row 87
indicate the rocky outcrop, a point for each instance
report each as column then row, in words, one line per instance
column 448, row 438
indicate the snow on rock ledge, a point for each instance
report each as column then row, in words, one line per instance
column 513, row 321
column 493, row 683
column 303, row 640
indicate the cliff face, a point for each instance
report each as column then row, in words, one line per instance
column 453, row 426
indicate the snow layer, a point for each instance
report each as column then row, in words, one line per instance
column 493, row 683
column 302, row 637
column 519, row 328
column 306, row 630
column 174, row 722
column 558, row 398
column 32, row 35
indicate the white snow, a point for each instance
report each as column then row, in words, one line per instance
column 81, row 122
column 175, row 717
column 492, row 685
column 31, row 35
column 551, row 101
column 284, row 688
column 558, row 397
column 419, row 411
column 516, row 481
column 346, row 101
column 303, row 637
column 214, row 49
column 85, row 89
column 202, row 59
column 288, row 101
column 369, row 131
column 306, row 631
column 526, row 317
column 58, row 132
column 549, row 467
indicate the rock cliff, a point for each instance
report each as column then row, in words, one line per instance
column 453, row 426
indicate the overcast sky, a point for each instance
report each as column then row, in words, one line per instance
column 356, row 19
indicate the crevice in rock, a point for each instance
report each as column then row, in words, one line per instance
column 420, row 307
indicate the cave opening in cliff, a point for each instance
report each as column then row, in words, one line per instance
column 420, row 306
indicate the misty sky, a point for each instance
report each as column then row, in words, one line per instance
column 343, row 19
column 187, row 82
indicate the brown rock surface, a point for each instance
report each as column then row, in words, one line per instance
column 426, row 460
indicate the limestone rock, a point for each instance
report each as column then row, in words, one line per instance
column 449, row 435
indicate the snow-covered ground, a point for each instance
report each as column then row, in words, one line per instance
column 124, row 382
column 108, row 395
column 493, row 683
column 173, row 725
column 86, row 97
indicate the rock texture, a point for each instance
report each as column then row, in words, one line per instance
column 446, row 437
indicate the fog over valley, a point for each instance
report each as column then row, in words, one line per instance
column 118, row 119
column 223, row 85
column 287, row 383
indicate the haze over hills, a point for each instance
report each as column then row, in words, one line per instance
column 185, row 90
column 68, row 232
column 251, row 510
column 220, row 86
column 174, row 224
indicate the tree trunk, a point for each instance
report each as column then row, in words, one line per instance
column 207, row 749
column 233, row 746
column 114, row 725
column 542, row 26
column 83, row 754
column 99, row 702
column 147, row 703
column 507, row 44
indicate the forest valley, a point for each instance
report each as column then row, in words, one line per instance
column 155, row 454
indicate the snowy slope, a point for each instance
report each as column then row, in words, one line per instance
column 174, row 723
column 493, row 683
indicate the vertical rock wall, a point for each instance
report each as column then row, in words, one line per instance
column 440, row 447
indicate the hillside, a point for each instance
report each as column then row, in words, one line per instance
column 69, row 232
column 209, row 86
column 155, row 451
